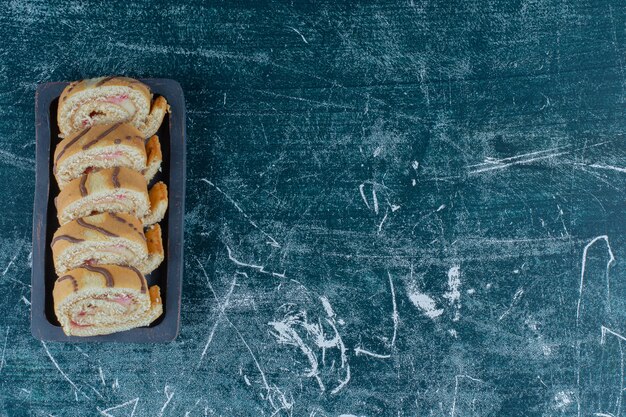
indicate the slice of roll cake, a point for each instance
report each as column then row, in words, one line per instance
column 104, row 299
column 106, row 100
column 107, row 238
column 112, row 190
column 106, row 146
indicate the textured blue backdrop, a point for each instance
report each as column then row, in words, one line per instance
column 407, row 208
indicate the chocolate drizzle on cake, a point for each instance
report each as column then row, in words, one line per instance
column 104, row 81
column 74, row 283
column 66, row 237
column 141, row 279
column 101, row 136
column 70, row 143
column 132, row 226
column 114, row 177
column 69, row 90
column 82, row 185
column 98, row 229
column 103, row 271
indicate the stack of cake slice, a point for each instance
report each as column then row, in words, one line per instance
column 109, row 235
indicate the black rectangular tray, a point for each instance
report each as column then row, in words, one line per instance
column 168, row 276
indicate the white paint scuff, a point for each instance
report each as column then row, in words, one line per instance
column 453, row 295
column 134, row 402
column 67, row 378
column 327, row 307
column 609, row 262
column 310, row 338
column 425, row 303
column 286, row 334
column 454, row 283
column 169, row 393
column 563, row 400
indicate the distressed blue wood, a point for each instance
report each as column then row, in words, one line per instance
column 393, row 208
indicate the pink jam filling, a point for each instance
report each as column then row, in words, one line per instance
column 110, row 200
column 74, row 324
column 111, row 155
column 124, row 300
column 119, row 248
column 116, row 99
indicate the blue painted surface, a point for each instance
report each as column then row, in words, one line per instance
column 394, row 209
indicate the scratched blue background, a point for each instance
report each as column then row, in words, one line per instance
column 407, row 208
